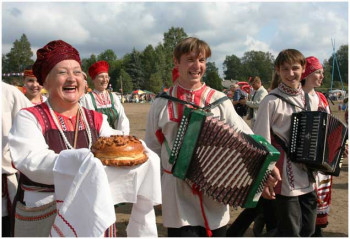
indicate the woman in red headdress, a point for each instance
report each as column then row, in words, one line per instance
column 44, row 135
column 33, row 88
column 63, row 189
column 103, row 101
column 311, row 79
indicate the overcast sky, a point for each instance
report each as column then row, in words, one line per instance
column 228, row 27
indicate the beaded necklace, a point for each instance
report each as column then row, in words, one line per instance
column 58, row 125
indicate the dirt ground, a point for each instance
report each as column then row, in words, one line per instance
column 338, row 216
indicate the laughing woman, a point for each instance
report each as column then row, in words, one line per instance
column 41, row 134
column 103, row 101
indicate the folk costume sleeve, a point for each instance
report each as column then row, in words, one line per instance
column 122, row 123
column 30, row 153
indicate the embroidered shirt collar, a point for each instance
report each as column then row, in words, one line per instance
column 289, row 91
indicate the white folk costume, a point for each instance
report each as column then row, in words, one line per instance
column 12, row 101
column 36, row 142
column 43, row 160
column 180, row 206
column 274, row 115
column 323, row 182
column 109, row 104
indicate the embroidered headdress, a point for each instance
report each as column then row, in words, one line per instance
column 51, row 54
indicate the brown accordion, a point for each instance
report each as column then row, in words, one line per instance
column 229, row 166
column 317, row 139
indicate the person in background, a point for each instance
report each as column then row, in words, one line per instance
column 181, row 208
column 86, row 83
column 259, row 93
column 311, row 79
column 103, row 101
column 239, row 94
column 12, row 101
column 296, row 200
column 33, row 88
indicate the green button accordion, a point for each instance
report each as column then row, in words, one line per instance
column 227, row 165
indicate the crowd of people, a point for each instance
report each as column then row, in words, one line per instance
column 39, row 133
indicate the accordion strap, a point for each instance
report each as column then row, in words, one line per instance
column 287, row 101
column 280, row 142
column 208, row 107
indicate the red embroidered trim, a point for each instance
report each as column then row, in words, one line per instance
column 290, row 174
column 111, row 231
column 35, row 218
column 68, row 224
column 59, row 232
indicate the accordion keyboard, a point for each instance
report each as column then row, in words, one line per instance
column 317, row 139
column 227, row 165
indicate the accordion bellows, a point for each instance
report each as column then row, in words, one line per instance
column 317, row 139
column 227, row 165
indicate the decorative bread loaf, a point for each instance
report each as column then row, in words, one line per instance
column 119, row 150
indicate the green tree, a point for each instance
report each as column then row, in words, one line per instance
column 212, row 78
column 161, row 68
column 214, row 81
column 85, row 64
column 326, row 82
column 124, row 82
column 19, row 56
column 257, row 63
column 342, row 58
column 134, row 69
column 156, row 82
column 210, row 68
column 114, row 73
column 108, row 55
column 232, row 67
column 148, row 61
column 171, row 39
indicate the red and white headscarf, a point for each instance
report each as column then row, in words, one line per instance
column 312, row 64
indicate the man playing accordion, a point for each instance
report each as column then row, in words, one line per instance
column 186, row 213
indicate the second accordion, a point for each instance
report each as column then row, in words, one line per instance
column 317, row 139
column 229, row 166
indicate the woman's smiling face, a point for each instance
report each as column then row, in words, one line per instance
column 65, row 82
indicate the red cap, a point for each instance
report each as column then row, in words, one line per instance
column 176, row 74
column 312, row 64
column 98, row 68
column 51, row 54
